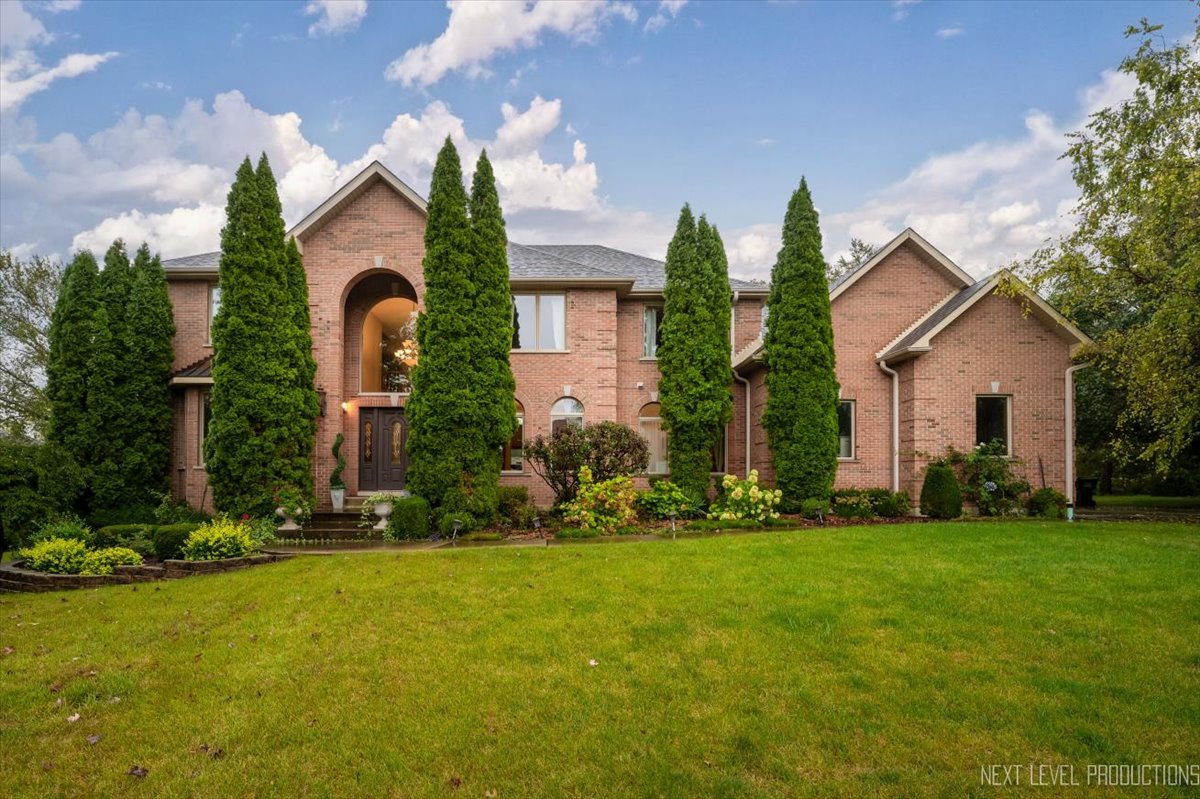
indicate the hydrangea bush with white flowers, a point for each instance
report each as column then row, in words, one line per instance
column 745, row 499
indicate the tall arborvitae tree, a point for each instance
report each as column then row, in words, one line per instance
column 494, row 317
column 802, row 389
column 110, row 402
column 150, row 330
column 450, row 444
column 306, row 368
column 68, row 367
column 685, row 360
column 256, row 442
column 719, row 375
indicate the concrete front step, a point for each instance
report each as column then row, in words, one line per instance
column 331, row 533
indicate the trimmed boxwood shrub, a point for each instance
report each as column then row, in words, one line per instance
column 1048, row 504
column 940, row 495
column 888, row 504
column 56, row 556
column 138, row 537
column 170, row 538
column 409, row 519
column 852, row 503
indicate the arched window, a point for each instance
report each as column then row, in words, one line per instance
column 389, row 348
column 650, row 427
column 513, row 453
column 566, row 411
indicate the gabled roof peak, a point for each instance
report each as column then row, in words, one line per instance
column 373, row 173
column 907, row 236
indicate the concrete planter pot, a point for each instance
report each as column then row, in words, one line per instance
column 338, row 497
column 289, row 520
column 383, row 510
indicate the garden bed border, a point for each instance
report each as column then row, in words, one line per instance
column 16, row 579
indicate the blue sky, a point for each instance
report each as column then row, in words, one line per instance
column 129, row 118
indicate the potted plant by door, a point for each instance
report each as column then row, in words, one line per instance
column 291, row 507
column 378, row 504
column 337, row 488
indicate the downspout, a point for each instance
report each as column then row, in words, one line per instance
column 895, row 423
column 746, row 384
column 1069, row 416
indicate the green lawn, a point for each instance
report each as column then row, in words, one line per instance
column 864, row 661
column 1145, row 501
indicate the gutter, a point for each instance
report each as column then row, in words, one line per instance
column 895, row 422
column 1069, row 417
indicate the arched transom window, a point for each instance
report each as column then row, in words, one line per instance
column 650, row 427
column 566, row 411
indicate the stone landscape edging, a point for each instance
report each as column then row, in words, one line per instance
column 16, row 579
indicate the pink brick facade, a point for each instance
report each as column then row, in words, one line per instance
column 369, row 245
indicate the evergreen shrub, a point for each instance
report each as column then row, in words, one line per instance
column 170, row 538
column 409, row 520
column 1047, row 503
column 940, row 495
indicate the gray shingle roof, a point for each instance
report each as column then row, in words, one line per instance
column 649, row 274
column 937, row 317
column 204, row 260
column 544, row 262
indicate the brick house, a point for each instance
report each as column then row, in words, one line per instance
column 913, row 333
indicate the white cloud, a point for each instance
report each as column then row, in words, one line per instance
column 164, row 179
column 335, row 17
column 58, row 6
column 667, row 11
column 950, row 32
column 479, row 30
column 155, row 85
column 902, row 8
column 983, row 204
column 765, row 141
column 21, row 73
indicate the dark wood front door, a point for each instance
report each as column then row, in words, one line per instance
column 382, row 461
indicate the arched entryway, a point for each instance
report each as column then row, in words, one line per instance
column 381, row 351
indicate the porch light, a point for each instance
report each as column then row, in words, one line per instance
column 345, row 407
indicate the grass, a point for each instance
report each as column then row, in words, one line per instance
column 846, row 662
column 1145, row 501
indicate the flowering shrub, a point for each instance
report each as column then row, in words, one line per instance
column 744, row 499
column 665, row 499
column 56, row 556
column 606, row 506
column 220, row 538
column 102, row 561
column 987, row 478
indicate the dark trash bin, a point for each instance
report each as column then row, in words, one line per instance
column 1085, row 492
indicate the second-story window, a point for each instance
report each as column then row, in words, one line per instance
column 539, row 322
column 651, row 331
column 214, row 305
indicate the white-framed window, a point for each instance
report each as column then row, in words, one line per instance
column 205, row 422
column 214, row 305
column 650, row 427
column 539, row 322
column 652, row 318
column 564, row 412
column 513, row 453
column 846, row 421
column 993, row 420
